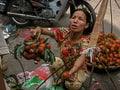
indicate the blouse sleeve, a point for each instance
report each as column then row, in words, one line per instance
column 60, row 33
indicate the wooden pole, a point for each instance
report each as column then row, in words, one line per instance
column 98, row 24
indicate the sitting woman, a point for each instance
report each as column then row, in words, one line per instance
column 71, row 41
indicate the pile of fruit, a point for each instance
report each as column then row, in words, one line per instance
column 35, row 49
column 109, row 55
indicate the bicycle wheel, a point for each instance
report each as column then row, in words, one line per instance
column 19, row 7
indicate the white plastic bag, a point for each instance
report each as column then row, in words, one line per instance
column 43, row 72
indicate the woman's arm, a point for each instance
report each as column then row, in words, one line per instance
column 78, row 63
column 40, row 30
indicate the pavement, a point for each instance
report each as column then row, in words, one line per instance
column 105, row 79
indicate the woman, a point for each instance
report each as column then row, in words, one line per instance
column 71, row 41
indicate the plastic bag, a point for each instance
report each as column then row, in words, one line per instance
column 38, row 76
column 21, row 78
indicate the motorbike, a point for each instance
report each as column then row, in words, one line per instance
column 23, row 12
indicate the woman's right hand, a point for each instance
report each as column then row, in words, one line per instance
column 36, row 32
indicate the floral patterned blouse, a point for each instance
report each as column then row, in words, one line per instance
column 69, row 53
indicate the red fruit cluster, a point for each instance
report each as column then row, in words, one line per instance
column 110, row 51
column 35, row 48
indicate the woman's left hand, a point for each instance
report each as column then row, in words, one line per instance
column 78, row 63
column 37, row 31
column 73, row 76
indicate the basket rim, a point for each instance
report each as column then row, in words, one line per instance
column 108, row 67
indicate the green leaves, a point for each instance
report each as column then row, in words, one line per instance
column 52, row 57
column 49, row 56
column 47, row 40
column 18, row 50
column 46, row 55
column 28, row 43
column 35, row 50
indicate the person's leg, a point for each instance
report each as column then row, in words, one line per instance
column 3, row 83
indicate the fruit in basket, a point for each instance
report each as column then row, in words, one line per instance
column 35, row 49
column 110, row 51
column 100, row 66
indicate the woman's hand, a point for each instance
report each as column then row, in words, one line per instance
column 67, row 76
column 73, row 76
column 36, row 32
column 78, row 63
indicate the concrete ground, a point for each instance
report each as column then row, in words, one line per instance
column 102, row 77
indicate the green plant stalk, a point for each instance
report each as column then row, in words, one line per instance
column 22, row 68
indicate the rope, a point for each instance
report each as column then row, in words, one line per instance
column 91, row 51
column 117, row 4
column 111, row 16
column 97, row 4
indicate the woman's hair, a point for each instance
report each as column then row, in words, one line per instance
column 88, row 20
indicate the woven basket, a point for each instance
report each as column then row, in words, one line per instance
column 109, row 68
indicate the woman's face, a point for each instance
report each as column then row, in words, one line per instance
column 78, row 21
